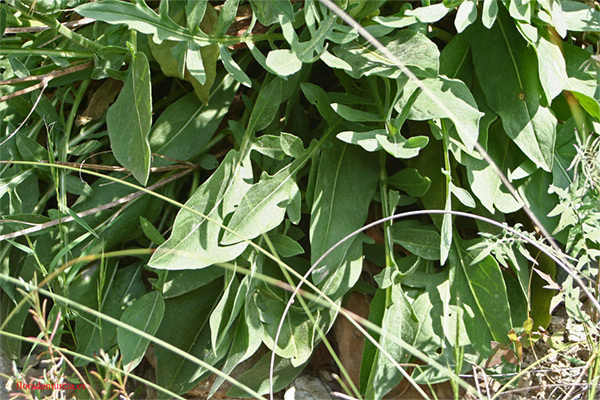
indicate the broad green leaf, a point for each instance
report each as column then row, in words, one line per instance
column 347, row 273
column 309, row 51
column 129, row 119
column 520, row 10
column 122, row 288
column 172, row 56
column 267, row 105
column 551, row 62
column 534, row 191
column 345, row 184
column 268, row 12
column 413, row 49
column 257, row 377
column 140, row 17
column 458, row 103
column 285, row 245
column 247, row 339
column 227, row 310
column 580, row 17
column 151, row 232
column 462, row 195
column 263, row 206
column 145, row 314
column 557, row 16
column 76, row 185
column 185, row 325
column 490, row 11
column 186, row 126
column 484, row 181
column 466, row 15
column 514, row 91
column 484, row 282
column 298, row 335
column 317, row 96
column 391, row 310
column 455, row 60
column 423, row 241
column 194, row 12
column 379, row 139
column 194, row 242
column 410, row 181
column 284, row 62
column 182, row 282
column 227, row 16
column 400, row 147
column 430, row 14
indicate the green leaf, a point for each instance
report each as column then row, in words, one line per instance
column 339, row 207
column 462, row 195
column 458, row 101
column 484, row 181
column 176, row 57
column 226, row 311
column 485, row 284
column 423, row 241
column 490, row 11
column 194, row 242
column 186, row 126
column 129, row 119
column 551, row 62
column 257, row 377
column 140, row 17
column 247, row 339
column 194, row 12
column 430, row 14
column 298, row 335
column 145, row 314
column 178, row 283
column 194, row 64
column 263, row 206
column 284, row 62
column 268, row 12
column 391, row 310
column 455, row 60
column 580, row 17
column 227, row 16
column 285, row 245
column 466, row 15
column 151, row 232
column 185, row 325
column 354, row 115
column 233, row 68
column 123, row 287
column 378, row 139
column 515, row 93
column 267, row 105
column 413, row 49
column 410, row 181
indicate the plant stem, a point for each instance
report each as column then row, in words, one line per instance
column 54, row 24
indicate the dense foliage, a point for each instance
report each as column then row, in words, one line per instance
column 264, row 133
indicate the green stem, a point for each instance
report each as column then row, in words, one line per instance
column 385, row 206
column 4, row 51
column 55, row 24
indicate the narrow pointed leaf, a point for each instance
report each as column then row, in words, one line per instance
column 129, row 120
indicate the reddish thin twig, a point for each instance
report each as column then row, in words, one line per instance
column 44, row 79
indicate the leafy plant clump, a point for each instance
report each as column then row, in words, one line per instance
column 200, row 185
